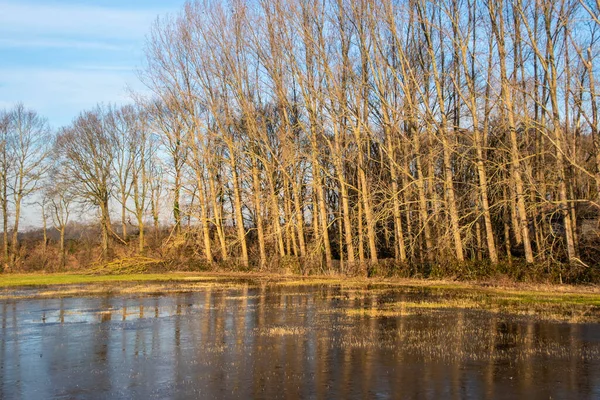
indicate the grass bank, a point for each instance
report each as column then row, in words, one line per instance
column 562, row 303
column 43, row 279
column 527, row 292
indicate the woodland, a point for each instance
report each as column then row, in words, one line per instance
column 416, row 138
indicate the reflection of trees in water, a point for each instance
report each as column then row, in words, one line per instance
column 267, row 341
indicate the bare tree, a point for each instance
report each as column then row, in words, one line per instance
column 5, row 162
column 60, row 198
column 29, row 147
column 86, row 151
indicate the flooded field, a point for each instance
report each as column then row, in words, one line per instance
column 252, row 340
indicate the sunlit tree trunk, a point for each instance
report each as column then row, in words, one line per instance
column 497, row 22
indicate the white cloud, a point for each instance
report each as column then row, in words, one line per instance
column 25, row 18
column 122, row 68
column 59, row 43
column 60, row 84
column 63, row 93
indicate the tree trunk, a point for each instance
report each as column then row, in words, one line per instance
column 399, row 245
column 298, row 209
column 259, row 217
column 124, row 216
column 63, row 254
column 14, row 245
column 423, row 211
column 517, row 181
column 218, row 217
column 237, row 204
column 176, row 201
column 105, row 228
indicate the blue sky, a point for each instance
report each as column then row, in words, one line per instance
column 62, row 57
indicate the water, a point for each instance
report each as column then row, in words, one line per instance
column 265, row 342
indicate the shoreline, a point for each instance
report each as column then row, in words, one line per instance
column 556, row 303
column 38, row 280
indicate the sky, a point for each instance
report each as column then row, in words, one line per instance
column 61, row 57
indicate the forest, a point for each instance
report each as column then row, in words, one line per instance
column 451, row 138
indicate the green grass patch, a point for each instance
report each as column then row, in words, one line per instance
column 529, row 297
column 16, row 280
column 548, row 295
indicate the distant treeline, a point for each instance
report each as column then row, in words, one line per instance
column 345, row 135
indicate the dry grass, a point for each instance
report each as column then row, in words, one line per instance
column 579, row 302
column 284, row 331
column 546, row 311
column 376, row 312
column 458, row 303
column 113, row 288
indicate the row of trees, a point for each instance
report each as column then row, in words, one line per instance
column 357, row 130
column 106, row 159
column 351, row 131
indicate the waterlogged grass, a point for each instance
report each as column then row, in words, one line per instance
column 284, row 331
column 16, row 280
column 529, row 297
column 360, row 296
column 376, row 312
column 561, row 308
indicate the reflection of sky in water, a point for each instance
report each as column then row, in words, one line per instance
column 69, row 310
column 284, row 342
